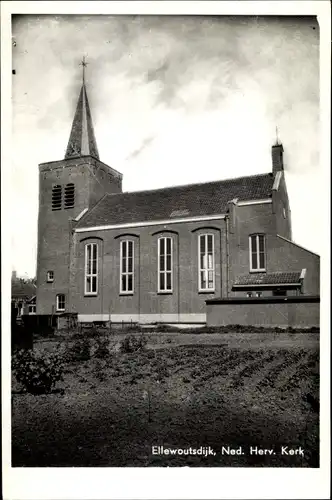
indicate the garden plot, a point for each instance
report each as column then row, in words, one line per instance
column 113, row 409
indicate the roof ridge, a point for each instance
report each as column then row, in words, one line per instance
column 297, row 245
column 180, row 186
column 284, row 272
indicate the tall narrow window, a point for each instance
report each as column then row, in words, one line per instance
column 127, row 267
column 57, row 197
column 60, row 302
column 91, row 269
column 165, row 263
column 206, row 262
column 257, row 252
column 69, row 195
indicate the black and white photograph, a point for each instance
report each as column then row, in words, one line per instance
column 166, row 225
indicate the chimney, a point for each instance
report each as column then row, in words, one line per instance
column 277, row 158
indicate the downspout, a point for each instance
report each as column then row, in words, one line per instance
column 178, row 266
column 102, row 280
column 139, row 280
column 71, row 251
column 227, row 254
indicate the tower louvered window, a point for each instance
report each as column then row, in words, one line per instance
column 57, row 197
column 69, row 195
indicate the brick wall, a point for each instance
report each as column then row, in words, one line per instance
column 62, row 251
column 293, row 312
column 92, row 179
column 288, row 256
column 185, row 303
column 281, row 255
column 281, row 209
column 249, row 219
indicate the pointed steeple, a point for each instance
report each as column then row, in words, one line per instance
column 82, row 141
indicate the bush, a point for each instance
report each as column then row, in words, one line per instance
column 37, row 372
column 80, row 350
column 161, row 372
column 102, row 350
column 133, row 343
column 99, row 372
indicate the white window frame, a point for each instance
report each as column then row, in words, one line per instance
column 50, row 279
column 207, row 269
column 127, row 273
column 259, row 267
column 90, row 274
column 165, row 271
column 60, row 309
column 32, row 306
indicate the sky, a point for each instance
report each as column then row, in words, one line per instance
column 174, row 100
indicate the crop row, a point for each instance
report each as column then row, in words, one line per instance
column 251, row 368
column 289, row 358
column 304, row 371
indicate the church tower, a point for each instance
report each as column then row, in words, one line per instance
column 67, row 189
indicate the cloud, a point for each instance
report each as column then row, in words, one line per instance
column 183, row 98
column 137, row 152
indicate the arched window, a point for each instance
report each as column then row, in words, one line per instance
column 57, row 197
column 127, row 267
column 206, row 269
column 165, row 264
column 69, row 195
column 91, row 269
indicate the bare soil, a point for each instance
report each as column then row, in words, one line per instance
column 183, row 390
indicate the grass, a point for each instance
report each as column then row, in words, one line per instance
column 112, row 411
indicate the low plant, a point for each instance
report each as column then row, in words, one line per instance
column 102, row 350
column 99, row 372
column 133, row 343
column 161, row 372
column 37, row 371
column 80, row 350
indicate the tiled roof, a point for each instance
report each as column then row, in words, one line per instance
column 268, row 279
column 21, row 289
column 177, row 202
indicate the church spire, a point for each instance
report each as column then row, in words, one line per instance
column 82, row 140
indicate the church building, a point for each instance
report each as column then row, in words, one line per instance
column 160, row 255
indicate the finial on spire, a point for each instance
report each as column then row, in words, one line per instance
column 84, row 64
column 82, row 140
column 277, row 137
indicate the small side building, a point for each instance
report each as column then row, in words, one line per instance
column 23, row 297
